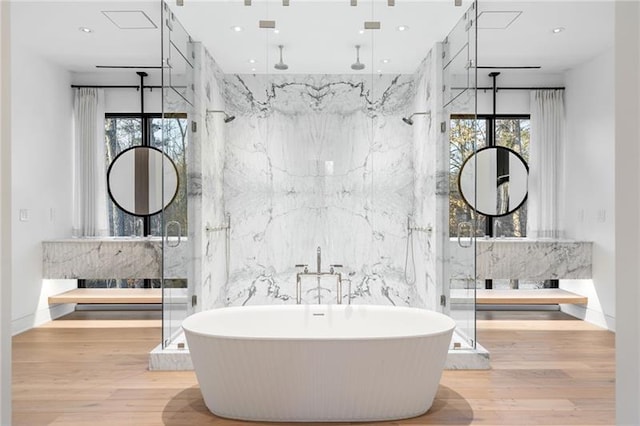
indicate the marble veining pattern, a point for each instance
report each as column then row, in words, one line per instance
column 106, row 258
column 206, row 203
column 319, row 160
column 530, row 259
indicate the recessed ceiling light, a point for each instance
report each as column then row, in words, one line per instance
column 385, row 61
column 379, row 71
column 557, row 30
column 403, row 27
column 237, row 28
column 253, row 70
column 85, row 30
column 276, row 31
column 361, row 31
column 252, row 61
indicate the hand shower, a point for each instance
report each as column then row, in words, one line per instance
column 281, row 65
column 357, row 65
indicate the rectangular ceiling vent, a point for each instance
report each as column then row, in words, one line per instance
column 497, row 20
column 130, row 19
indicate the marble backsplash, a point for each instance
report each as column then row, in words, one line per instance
column 318, row 161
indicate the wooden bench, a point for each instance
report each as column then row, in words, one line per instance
column 109, row 296
column 546, row 296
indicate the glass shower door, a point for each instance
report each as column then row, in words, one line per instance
column 171, row 135
column 459, row 87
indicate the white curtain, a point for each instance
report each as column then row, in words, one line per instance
column 546, row 177
column 90, row 177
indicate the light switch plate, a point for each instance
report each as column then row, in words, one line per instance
column 24, row 215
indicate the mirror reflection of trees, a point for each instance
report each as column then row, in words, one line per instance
column 465, row 131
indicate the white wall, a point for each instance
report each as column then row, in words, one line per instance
column 41, row 180
column 5, row 218
column 627, row 211
column 590, row 178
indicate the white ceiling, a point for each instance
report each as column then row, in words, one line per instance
column 319, row 36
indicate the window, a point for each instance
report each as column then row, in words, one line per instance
column 510, row 131
column 123, row 131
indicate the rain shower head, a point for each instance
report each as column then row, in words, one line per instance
column 227, row 118
column 409, row 119
column 281, row 65
column 357, row 65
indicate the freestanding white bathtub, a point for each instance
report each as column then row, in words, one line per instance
column 318, row 362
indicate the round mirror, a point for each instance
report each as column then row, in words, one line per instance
column 135, row 180
column 493, row 181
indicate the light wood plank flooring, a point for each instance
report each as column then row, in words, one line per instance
column 547, row 370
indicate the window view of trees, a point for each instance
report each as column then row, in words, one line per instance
column 120, row 134
column 514, row 134
column 466, row 131
column 175, row 136
column 123, row 132
column 464, row 134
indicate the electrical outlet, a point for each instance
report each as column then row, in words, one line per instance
column 602, row 216
column 24, row 215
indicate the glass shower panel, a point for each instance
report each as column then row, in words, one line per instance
column 171, row 135
column 459, row 77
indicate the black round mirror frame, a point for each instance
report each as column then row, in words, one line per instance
column 470, row 158
column 165, row 157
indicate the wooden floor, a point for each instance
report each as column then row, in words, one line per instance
column 547, row 370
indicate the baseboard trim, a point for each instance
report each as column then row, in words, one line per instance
column 591, row 316
column 40, row 317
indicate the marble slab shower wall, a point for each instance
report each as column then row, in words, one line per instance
column 430, row 191
column 205, row 188
column 319, row 161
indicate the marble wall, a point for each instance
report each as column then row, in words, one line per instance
column 431, row 185
column 205, row 186
column 319, row 161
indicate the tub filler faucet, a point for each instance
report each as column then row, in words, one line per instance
column 304, row 271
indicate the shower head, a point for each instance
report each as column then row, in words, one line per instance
column 281, row 65
column 357, row 65
column 409, row 119
column 227, row 118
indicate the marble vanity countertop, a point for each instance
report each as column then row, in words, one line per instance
column 114, row 257
column 523, row 258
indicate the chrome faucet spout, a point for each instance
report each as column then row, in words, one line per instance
column 319, row 251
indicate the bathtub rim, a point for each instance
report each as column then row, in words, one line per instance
column 438, row 332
